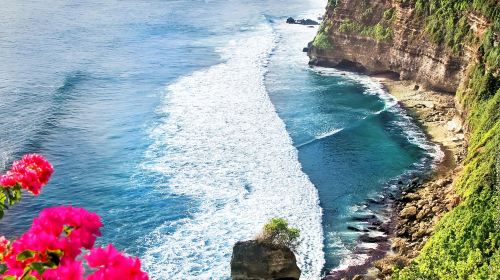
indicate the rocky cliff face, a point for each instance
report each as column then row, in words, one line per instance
column 385, row 36
column 253, row 260
column 446, row 45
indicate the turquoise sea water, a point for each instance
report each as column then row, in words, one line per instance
column 188, row 124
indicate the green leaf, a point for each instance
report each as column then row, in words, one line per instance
column 38, row 266
column 25, row 255
column 58, row 253
column 29, row 277
column 3, row 268
column 3, row 197
column 54, row 258
column 17, row 193
column 10, row 277
column 67, row 229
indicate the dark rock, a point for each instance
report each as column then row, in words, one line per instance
column 255, row 260
column 310, row 22
column 416, row 87
column 375, row 201
column 364, row 218
column 372, row 239
column 305, row 49
column 356, row 229
column 291, row 20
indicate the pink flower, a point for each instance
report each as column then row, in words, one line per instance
column 68, row 271
column 13, row 272
column 62, row 229
column 10, row 179
column 32, row 172
column 40, row 244
column 4, row 246
column 35, row 172
column 111, row 264
column 79, row 226
column 55, row 241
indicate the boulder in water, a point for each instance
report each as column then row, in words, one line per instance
column 308, row 21
column 259, row 261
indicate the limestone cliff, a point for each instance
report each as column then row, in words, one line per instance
column 446, row 45
column 382, row 36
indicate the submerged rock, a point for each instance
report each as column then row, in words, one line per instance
column 291, row 20
column 306, row 22
column 258, row 261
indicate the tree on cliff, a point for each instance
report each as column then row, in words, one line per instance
column 276, row 232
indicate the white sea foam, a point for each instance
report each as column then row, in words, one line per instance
column 222, row 143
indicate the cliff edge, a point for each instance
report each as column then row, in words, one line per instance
column 450, row 46
column 386, row 36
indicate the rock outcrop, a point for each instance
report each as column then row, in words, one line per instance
column 308, row 21
column 253, row 260
column 405, row 51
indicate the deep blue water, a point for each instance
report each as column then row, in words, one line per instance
column 156, row 115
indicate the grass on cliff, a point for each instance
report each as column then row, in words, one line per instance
column 446, row 21
column 466, row 241
column 381, row 31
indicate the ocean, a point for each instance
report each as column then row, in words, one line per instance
column 186, row 125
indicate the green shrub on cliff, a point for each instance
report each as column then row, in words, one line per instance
column 276, row 232
column 322, row 41
column 466, row 243
column 332, row 4
column 378, row 31
column 381, row 31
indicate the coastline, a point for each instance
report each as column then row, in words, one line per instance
column 425, row 200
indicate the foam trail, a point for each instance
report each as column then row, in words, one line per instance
column 328, row 133
column 320, row 136
column 222, row 143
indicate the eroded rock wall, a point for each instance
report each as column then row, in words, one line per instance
column 408, row 53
